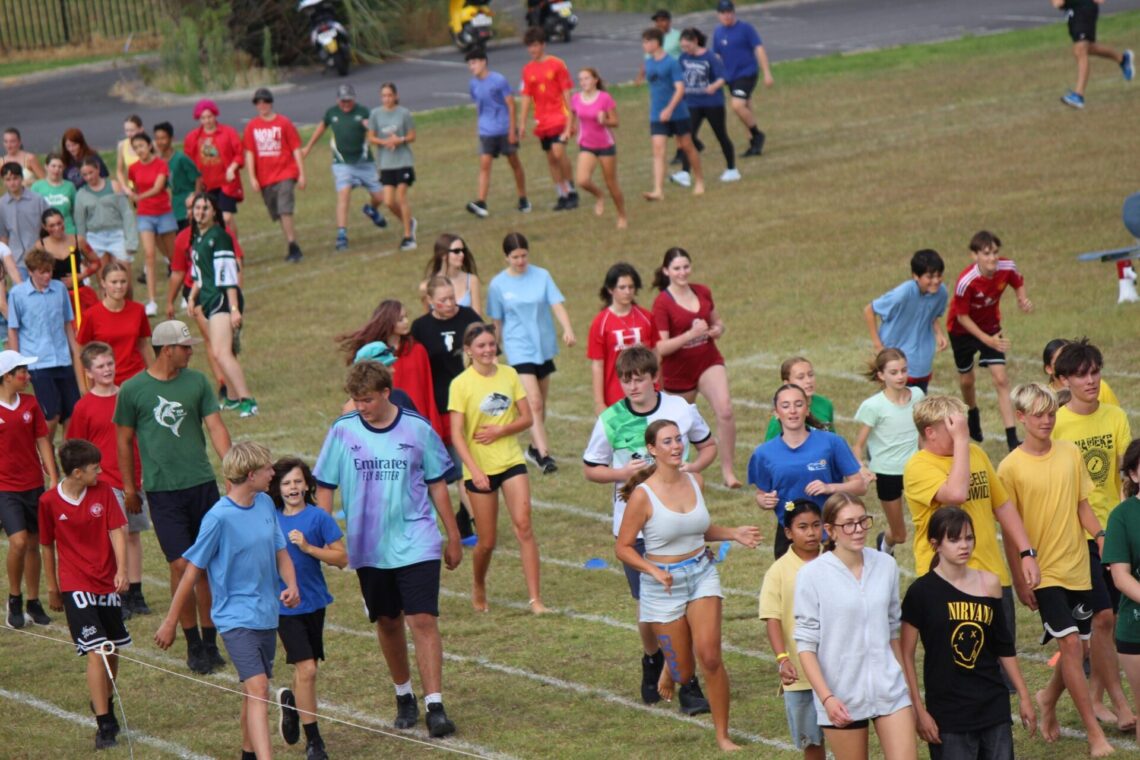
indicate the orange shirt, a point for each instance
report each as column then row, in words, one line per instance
column 544, row 82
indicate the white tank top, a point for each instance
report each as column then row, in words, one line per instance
column 671, row 533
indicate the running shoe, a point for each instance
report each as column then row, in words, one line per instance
column 548, row 465
column 974, row 423
column 15, row 617
column 196, row 659
column 882, row 545
column 294, row 254
column 651, row 671
column 681, row 178
column 524, row 205
column 248, row 408
column 315, row 749
column 478, row 208
column 407, row 712
column 229, row 404
column 756, row 145
column 1126, row 66
column 35, row 611
column 572, row 200
column 408, row 244
column 342, row 241
column 105, row 737
column 138, row 604
column 438, row 724
column 730, row 175
column 182, row 306
column 374, row 214
column 561, row 205
column 692, row 699
column 1073, row 100
column 290, row 723
column 213, row 656
column 531, row 454
column 151, row 308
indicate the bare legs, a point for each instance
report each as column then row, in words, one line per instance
column 1082, row 51
column 484, row 186
column 685, row 144
column 713, row 385
column 222, row 348
column 536, row 394
column 429, row 649
column 516, row 491
column 586, row 163
column 197, row 607
column 1069, row 674
column 396, row 199
column 23, row 563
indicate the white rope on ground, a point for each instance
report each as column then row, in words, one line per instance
column 106, row 649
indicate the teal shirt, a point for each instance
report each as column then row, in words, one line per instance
column 1122, row 546
column 60, row 197
column 183, row 179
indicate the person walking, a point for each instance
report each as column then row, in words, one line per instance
column 740, row 48
column 275, row 165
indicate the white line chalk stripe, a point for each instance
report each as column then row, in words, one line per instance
column 161, row 745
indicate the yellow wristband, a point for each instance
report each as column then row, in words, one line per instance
column 782, row 656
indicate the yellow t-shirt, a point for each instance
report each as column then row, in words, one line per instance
column 924, row 475
column 127, row 153
column 1046, row 490
column 1102, row 438
column 488, row 401
column 777, row 600
column 1106, row 396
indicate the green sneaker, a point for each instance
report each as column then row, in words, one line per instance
column 229, row 404
column 248, row 407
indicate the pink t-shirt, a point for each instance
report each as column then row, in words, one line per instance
column 593, row 135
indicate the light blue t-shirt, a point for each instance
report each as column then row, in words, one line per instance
column 736, row 45
column 908, row 315
column 384, row 475
column 237, row 547
column 319, row 530
column 662, row 75
column 490, row 95
column 893, row 438
column 40, row 317
column 776, row 466
column 523, row 304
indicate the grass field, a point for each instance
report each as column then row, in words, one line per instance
column 869, row 158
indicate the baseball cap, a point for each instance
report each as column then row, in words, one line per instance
column 346, row 92
column 376, row 351
column 10, row 360
column 661, row 13
column 205, row 104
column 263, row 93
column 172, row 333
column 725, row 6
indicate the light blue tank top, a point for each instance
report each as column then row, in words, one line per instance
column 466, row 299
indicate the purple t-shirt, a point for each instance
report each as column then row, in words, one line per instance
column 593, row 135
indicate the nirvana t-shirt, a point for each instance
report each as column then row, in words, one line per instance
column 963, row 636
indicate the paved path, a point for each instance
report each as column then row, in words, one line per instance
column 608, row 41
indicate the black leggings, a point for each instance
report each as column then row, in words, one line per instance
column 715, row 116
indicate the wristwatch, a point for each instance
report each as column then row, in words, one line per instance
column 1029, row 553
column 1099, row 534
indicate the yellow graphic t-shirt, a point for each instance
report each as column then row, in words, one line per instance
column 488, row 401
column 1102, row 438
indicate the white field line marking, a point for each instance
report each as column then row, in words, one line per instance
column 88, row 722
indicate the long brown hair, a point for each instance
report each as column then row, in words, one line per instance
column 75, row 135
column 378, row 328
column 644, row 473
column 438, row 262
column 831, row 509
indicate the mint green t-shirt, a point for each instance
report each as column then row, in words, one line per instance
column 893, row 438
column 60, row 197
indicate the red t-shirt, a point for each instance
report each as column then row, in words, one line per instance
column 121, row 330
column 19, row 428
column 978, row 297
column 92, row 421
column 412, row 374
column 544, row 82
column 681, row 369
column 180, row 260
column 609, row 334
column 212, row 153
column 272, row 143
column 143, row 177
column 79, row 531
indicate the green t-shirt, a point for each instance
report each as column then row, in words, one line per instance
column 821, row 408
column 183, row 178
column 215, row 267
column 167, row 417
column 1122, row 545
column 61, row 197
column 349, row 142
column 386, row 123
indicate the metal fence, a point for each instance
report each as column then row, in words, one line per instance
column 34, row 24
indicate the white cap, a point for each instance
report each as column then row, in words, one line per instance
column 10, row 360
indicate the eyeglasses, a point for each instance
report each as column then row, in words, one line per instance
column 457, row 250
column 863, row 524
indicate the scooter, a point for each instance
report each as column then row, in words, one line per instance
column 327, row 34
column 470, row 22
column 555, row 17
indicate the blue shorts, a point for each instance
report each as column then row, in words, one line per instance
column 356, row 175
column 160, row 225
column 251, row 650
column 799, row 708
column 691, row 582
column 56, row 390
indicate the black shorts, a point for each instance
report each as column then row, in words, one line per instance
column 408, row 590
column 889, row 487
column 633, row 575
column 854, row 725
column 497, row 479
column 919, row 382
column 220, row 304
column 546, row 369
column 599, row 152
column 20, row 510
column 303, row 636
column 56, row 391
column 549, row 141
column 396, row 177
column 94, row 619
column 227, row 203
column 1127, row 647
column 964, row 348
column 1064, row 612
column 497, row 145
column 1082, row 22
column 177, row 516
column 671, row 128
column 742, row 88
column 1105, row 594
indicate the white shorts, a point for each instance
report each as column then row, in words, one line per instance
column 113, row 242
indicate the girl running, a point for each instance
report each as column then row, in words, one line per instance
column 451, row 258
column 1122, row 557
column 687, row 328
column 125, row 155
column 66, row 251
column 104, row 219
column 392, row 128
column 489, row 408
column 119, row 322
column 799, row 371
column 704, row 95
column 75, row 150
column 680, row 587
column 1049, row 356
column 57, row 191
column 14, row 153
column 890, row 438
column 847, row 630
column 149, row 176
column 619, row 325
column 595, row 111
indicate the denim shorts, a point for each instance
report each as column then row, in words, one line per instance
column 691, row 582
column 356, row 175
column 113, row 242
column 799, row 708
column 160, row 224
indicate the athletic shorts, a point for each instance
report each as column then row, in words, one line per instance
column 408, row 590
column 964, row 348
column 356, row 175
column 280, row 198
column 1064, row 612
column 1104, row 591
column 220, row 304
column 94, row 619
column 20, row 510
column 993, row 743
column 112, row 242
column 549, row 141
column 599, row 152
column 56, row 391
column 497, row 479
column 633, row 575
column 1127, row 647
column 135, row 523
column 251, row 651
column 671, row 128
column 854, row 725
column 405, row 175
column 497, row 145
column 227, row 203
column 546, row 369
column 799, row 709
column 742, row 87
column 303, row 636
column 177, row 516
column 1082, row 22
column 889, row 487
column 691, row 582
column 160, row 225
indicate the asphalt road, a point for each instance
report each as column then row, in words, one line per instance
column 609, row 42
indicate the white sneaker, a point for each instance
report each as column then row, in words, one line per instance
column 681, row 178
column 730, row 175
column 1128, row 292
column 183, row 305
column 151, row 308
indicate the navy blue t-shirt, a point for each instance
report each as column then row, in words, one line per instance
column 700, row 71
column 736, row 46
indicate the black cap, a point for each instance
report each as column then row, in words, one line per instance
column 263, row 93
column 661, row 13
column 725, row 6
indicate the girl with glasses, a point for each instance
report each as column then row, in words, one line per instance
column 453, row 260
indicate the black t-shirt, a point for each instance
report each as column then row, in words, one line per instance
column 443, row 339
column 963, row 636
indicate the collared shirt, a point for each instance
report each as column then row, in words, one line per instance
column 40, row 317
column 20, row 224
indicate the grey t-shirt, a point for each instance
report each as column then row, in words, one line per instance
column 385, row 123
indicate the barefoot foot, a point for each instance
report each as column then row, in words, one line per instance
column 599, row 207
column 654, row 196
column 1050, row 728
column 622, row 223
column 698, row 188
column 537, row 607
column 665, row 685
column 479, row 599
column 727, row 745
column 1100, row 747
column 731, row 481
column 1102, row 713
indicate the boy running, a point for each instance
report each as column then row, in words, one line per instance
column 495, row 104
column 546, row 83
column 1082, row 16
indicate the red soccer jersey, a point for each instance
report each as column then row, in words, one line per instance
column 412, row 374
column 544, row 82
column 20, row 426
column 272, row 143
column 79, row 531
column 91, row 421
column 122, row 331
column 143, row 177
column 681, row 369
column 180, row 260
column 977, row 297
column 212, row 153
column 609, row 334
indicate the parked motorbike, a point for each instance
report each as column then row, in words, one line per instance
column 470, row 22
column 327, row 34
column 555, row 17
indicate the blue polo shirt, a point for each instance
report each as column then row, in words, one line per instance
column 736, row 46
column 40, row 317
column 907, row 314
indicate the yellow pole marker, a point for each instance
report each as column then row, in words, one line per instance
column 75, row 293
